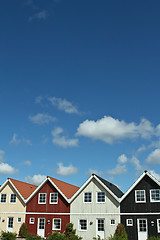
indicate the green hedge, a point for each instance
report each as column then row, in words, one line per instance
column 8, row 236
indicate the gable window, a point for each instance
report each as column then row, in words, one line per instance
column 19, row 220
column 83, row 225
column 53, row 198
column 140, row 196
column 155, row 195
column 13, row 198
column 129, row 222
column 31, row 220
column 101, row 197
column 42, row 198
column 3, row 198
column 112, row 222
column 56, row 224
column 158, row 225
column 87, row 197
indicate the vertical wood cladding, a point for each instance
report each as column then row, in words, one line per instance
column 33, row 207
column 128, row 205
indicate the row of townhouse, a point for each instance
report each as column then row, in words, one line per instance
column 95, row 208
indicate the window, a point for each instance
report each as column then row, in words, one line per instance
column 140, row 196
column 82, row 224
column 13, row 198
column 53, row 198
column 101, row 197
column 31, row 220
column 3, row 198
column 19, row 220
column 158, row 225
column 129, row 222
column 100, row 225
column 10, row 222
column 155, row 195
column 42, row 198
column 112, row 222
column 87, row 197
column 56, row 224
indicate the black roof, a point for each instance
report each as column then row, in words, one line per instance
column 111, row 186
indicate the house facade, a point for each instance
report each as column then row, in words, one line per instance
column 48, row 208
column 95, row 208
column 140, row 208
column 13, row 194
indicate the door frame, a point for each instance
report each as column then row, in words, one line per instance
column 42, row 235
column 104, row 232
column 138, row 228
column 9, row 229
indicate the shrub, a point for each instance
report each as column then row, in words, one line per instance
column 23, row 231
column 33, row 237
column 70, row 233
column 56, row 236
column 153, row 238
column 8, row 236
column 120, row 232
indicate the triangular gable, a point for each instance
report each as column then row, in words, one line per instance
column 137, row 181
column 65, row 189
column 100, row 182
column 21, row 188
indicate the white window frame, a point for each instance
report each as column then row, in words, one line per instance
column 56, row 229
column 97, row 197
column 31, row 220
column 84, row 197
column 158, row 225
column 112, row 224
column 151, row 200
column 56, row 194
column 136, row 196
column 39, row 198
column 19, row 218
column 1, row 198
column 79, row 225
column 15, row 198
column 127, row 222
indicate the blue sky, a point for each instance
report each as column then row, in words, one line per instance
column 79, row 90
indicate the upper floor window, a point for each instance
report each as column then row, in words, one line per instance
column 82, row 224
column 101, row 197
column 13, row 198
column 155, row 195
column 140, row 196
column 42, row 198
column 54, row 198
column 3, row 198
column 87, row 197
column 56, row 224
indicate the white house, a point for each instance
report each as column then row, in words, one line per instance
column 95, row 208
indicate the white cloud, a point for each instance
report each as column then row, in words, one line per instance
column 120, row 167
column 111, row 130
column 28, row 163
column 42, row 118
column 64, row 105
column 42, row 15
column 66, row 170
column 1, row 156
column 135, row 161
column 91, row 171
column 154, row 174
column 62, row 140
column 16, row 141
column 154, row 157
column 36, row 179
column 7, row 169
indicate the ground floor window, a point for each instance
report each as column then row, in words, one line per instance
column 82, row 224
column 112, row 222
column 10, row 222
column 31, row 220
column 19, row 220
column 129, row 222
column 56, row 224
column 158, row 225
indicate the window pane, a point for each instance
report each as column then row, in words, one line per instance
column 83, row 224
column 155, row 195
column 101, row 197
column 100, row 224
column 140, row 196
column 42, row 198
column 142, row 225
column 10, row 222
column 56, row 224
column 53, row 197
column 13, row 198
column 3, row 198
column 88, row 197
column 41, row 223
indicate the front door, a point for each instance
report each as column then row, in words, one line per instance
column 10, row 224
column 100, row 229
column 142, row 229
column 41, row 227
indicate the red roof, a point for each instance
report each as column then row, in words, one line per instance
column 25, row 189
column 67, row 189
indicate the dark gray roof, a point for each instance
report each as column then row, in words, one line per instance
column 111, row 186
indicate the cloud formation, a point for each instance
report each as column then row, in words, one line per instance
column 120, row 167
column 42, row 118
column 63, row 105
column 36, row 179
column 5, row 168
column 93, row 171
column 111, row 130
column 154, row 157
column 28, row 163
column 16, row 141
column 63, row 141
column 42, row 15
column 66, row 170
